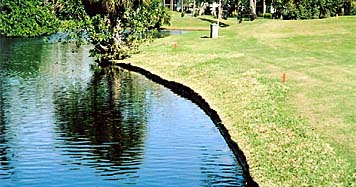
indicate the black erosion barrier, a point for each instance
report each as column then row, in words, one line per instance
column 190, row 94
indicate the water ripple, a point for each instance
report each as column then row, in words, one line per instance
column 63, row 124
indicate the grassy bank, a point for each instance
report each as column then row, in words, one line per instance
column 300, row 133
column 187, row 23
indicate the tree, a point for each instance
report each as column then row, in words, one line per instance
column 348, row 6
column 27, row 18
column 309, row 9
column 193, row 8
column 182, row 7
column 116, row 28
column 252, row 6
column 106, row 32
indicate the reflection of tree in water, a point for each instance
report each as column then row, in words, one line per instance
column 9, row 64
column 19, row 61
column 4, row 160
column 104, row 124
column 20, row 57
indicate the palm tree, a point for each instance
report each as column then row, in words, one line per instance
column 111, row 7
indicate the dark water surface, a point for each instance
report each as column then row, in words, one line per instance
column 64, row 124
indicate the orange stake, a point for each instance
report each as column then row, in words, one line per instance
column 174, row 45
column 284, row 77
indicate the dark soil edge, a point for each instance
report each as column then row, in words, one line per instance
column 190, row 94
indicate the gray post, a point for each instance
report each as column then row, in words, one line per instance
column 214, row 30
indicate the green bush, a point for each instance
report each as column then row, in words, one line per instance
column 118, row 40
column 70, row 10
column 27, row 18
column 354, row 8
column 308, row 9
column 268, row 16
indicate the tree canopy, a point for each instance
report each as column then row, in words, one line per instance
column 26, row 18
column 309, row 9
column 301, row 9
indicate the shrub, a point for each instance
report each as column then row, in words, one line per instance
column 354, row 8
column 27, row 18
column 267, row 16
column 308, row 9
column 118, row 40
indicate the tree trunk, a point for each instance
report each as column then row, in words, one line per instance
column 171, row 5
column 220, row 10
column 253, row 15
column 347, row 7
column 182, row 6
column 264, row 7
column 193, row 7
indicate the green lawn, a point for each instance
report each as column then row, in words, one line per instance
column 301, row 133
column 189, row 22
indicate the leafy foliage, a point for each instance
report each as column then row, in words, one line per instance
column 297, row 9
column 119, row 30
column 27, row 18
column 309, row 9
column 115, row 28
column 70, row 10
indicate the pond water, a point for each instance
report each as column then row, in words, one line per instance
column 62, row 123
column 165, row 33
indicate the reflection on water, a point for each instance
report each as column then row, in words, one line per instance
column 65, row 124
column 165, row 33
column 105, row 121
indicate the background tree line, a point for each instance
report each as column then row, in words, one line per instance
column 311, row 9
column 286, row 9
column 289, row 9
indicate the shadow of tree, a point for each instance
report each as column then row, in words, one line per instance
column 221, row 24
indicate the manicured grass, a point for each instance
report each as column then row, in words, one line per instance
column 301, row 133
column 188, row 22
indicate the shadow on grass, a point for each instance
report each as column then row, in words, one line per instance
column 213, row 21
